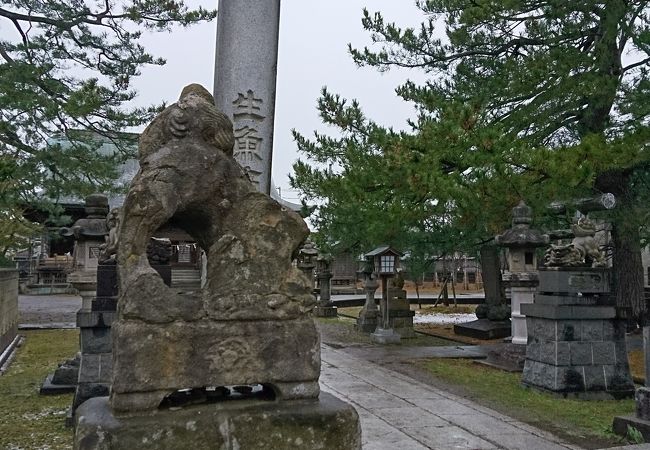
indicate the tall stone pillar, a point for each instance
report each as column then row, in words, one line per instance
column 244, row 80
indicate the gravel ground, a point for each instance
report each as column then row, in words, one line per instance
column 43, row 310
column 439, row 318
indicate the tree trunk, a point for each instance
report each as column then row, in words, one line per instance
column 626, row 262
column 491, row 273
column 628, row 269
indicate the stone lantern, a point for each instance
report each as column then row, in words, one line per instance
column 89, row 234
column 521, row 241
column 324, row 306
column 307, row 260
column 386, row 262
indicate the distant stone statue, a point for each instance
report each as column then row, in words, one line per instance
column 397, row 281
column 108, row 250
column 583, row 251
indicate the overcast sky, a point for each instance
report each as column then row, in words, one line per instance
column 313, row 53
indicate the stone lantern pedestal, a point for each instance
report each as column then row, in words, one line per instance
column 576, row 341
column 400, row 316
column 89, row 235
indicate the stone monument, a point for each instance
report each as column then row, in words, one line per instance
column 400, row 316
column 367, row 320
column 244, row 82
column 576, row 339
column 237, row 363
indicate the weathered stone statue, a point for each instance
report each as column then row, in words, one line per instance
column 247, row 331
column 254, row 303
column 108, row 250
column 582, row 251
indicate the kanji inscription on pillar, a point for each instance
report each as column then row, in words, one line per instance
column 249, row 150
column 248, row 106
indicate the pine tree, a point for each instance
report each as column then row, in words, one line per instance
column 533, row 99
column 67, row 75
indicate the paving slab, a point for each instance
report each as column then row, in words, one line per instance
column 398, row 412
column 396, row 353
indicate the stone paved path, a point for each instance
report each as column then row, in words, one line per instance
column 400, row 413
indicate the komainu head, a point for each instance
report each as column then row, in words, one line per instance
column 193, row 116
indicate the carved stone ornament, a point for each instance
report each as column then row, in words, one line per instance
column 583, row 251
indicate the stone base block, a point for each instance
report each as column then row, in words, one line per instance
column 642, row 398
column 325, row 311
column 508, row 357
column 326, row 423
column 85, row 391
column 282, row 353
column 484, row 329
column 49, row 388
column 385, row 336
column 587, row 382
column 367, row 323
column 621, row 424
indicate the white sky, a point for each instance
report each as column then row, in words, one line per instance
column 313, row 53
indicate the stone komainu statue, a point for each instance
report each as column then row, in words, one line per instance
column 583, row 251
column 249, row 324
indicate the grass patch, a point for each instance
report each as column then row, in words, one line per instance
column 584, row 420
column 350, row 310
column 30, row 420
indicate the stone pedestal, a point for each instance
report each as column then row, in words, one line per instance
column 85, row 282
column 484, row 329
column 640, row 420
column 94, row 324
column 327, row 423
column 522, row 291
column 576, row 341
column 63, row 380
column 400, row 316
column 385, row 336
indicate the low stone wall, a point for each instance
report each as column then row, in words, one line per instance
column 8, row 307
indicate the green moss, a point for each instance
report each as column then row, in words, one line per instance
column 504, row 392
column 30, row 420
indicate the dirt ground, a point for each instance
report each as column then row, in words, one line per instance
column 48, row 309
